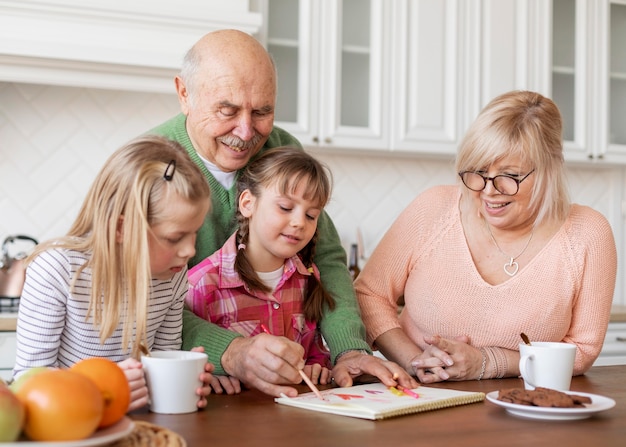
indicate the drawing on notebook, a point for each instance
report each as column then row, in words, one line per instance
column 372, row 395
column 377, row 401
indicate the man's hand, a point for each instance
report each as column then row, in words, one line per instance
column 265, row 362
column 356, row 363
column 225, row 384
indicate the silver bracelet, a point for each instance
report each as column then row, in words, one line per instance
column 484, row 365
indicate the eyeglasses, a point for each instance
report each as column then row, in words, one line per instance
column 503, row 183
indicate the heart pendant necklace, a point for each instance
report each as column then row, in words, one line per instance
column 511, row 267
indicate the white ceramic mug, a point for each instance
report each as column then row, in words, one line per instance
column 547, row 364
column 173, row 378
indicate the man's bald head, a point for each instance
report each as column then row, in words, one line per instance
column 226, row 51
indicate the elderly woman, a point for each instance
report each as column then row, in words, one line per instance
column 501, row 253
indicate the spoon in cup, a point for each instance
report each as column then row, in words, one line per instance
column 144, row 350
column 525, row 338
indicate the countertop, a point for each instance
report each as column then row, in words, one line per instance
column 8, row 321
column 480, row 424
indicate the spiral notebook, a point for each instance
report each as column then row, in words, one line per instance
column 377, row 401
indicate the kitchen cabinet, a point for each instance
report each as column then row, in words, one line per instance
column 333, row 62
column 112, row 44
column 411, row 75
column 614, row 348
column 430, row 107
column 403, row 76
column 588, row 77
column 8, row 347
column 369, row 74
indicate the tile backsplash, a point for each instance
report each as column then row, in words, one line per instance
column 53, row 140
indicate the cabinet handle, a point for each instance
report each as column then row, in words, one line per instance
column 623, row 339
column 316, row 140
column 327, row 140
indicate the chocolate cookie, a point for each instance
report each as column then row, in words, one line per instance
column 542, row 397
column 515, row 396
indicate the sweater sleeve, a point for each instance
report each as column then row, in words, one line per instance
column 593, row 250
column 214, row 339
column 42, row 311
column 341, row 327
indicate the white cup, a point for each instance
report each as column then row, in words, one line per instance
column 547, row 365
column 173, row 378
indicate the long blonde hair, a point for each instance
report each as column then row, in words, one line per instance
column 527, row 124
column 286, row 167
column 131, row 187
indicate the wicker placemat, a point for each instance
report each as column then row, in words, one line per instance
column 147, row 434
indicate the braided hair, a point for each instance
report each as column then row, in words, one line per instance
column 285, row 167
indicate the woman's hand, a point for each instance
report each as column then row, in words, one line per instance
column 317, row 373
column 447, row 359
column 133, row 369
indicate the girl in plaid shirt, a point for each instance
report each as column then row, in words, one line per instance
column 263, row 278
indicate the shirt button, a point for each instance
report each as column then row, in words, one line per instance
column 276, row 305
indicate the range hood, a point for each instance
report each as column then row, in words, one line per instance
column 115, row 44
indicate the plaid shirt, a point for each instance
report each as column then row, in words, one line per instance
column 217, row 294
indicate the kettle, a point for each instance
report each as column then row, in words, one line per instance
column 12, row 268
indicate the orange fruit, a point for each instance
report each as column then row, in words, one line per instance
column 61, row 405
column 112, row 383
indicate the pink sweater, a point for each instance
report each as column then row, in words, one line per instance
column 564, row 294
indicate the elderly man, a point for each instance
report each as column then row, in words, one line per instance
column 227, row 93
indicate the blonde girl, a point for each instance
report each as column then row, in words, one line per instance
column 118, row 279
column 263, row 280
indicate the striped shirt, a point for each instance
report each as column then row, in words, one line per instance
column 217, row 294
column 52, row 329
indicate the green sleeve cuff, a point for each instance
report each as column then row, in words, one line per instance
column 347, row 340
column 214, row 339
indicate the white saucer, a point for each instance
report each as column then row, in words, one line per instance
column 598, row 404
column 101, row 437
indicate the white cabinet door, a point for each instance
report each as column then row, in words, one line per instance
column 589, row 77
column 333, row 68
column 452, row 57
column 293, row 41
column 354, row 63
column 614, row 348
column 8, row 348
column 426, row 102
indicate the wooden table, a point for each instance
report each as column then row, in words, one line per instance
column 253, row 419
